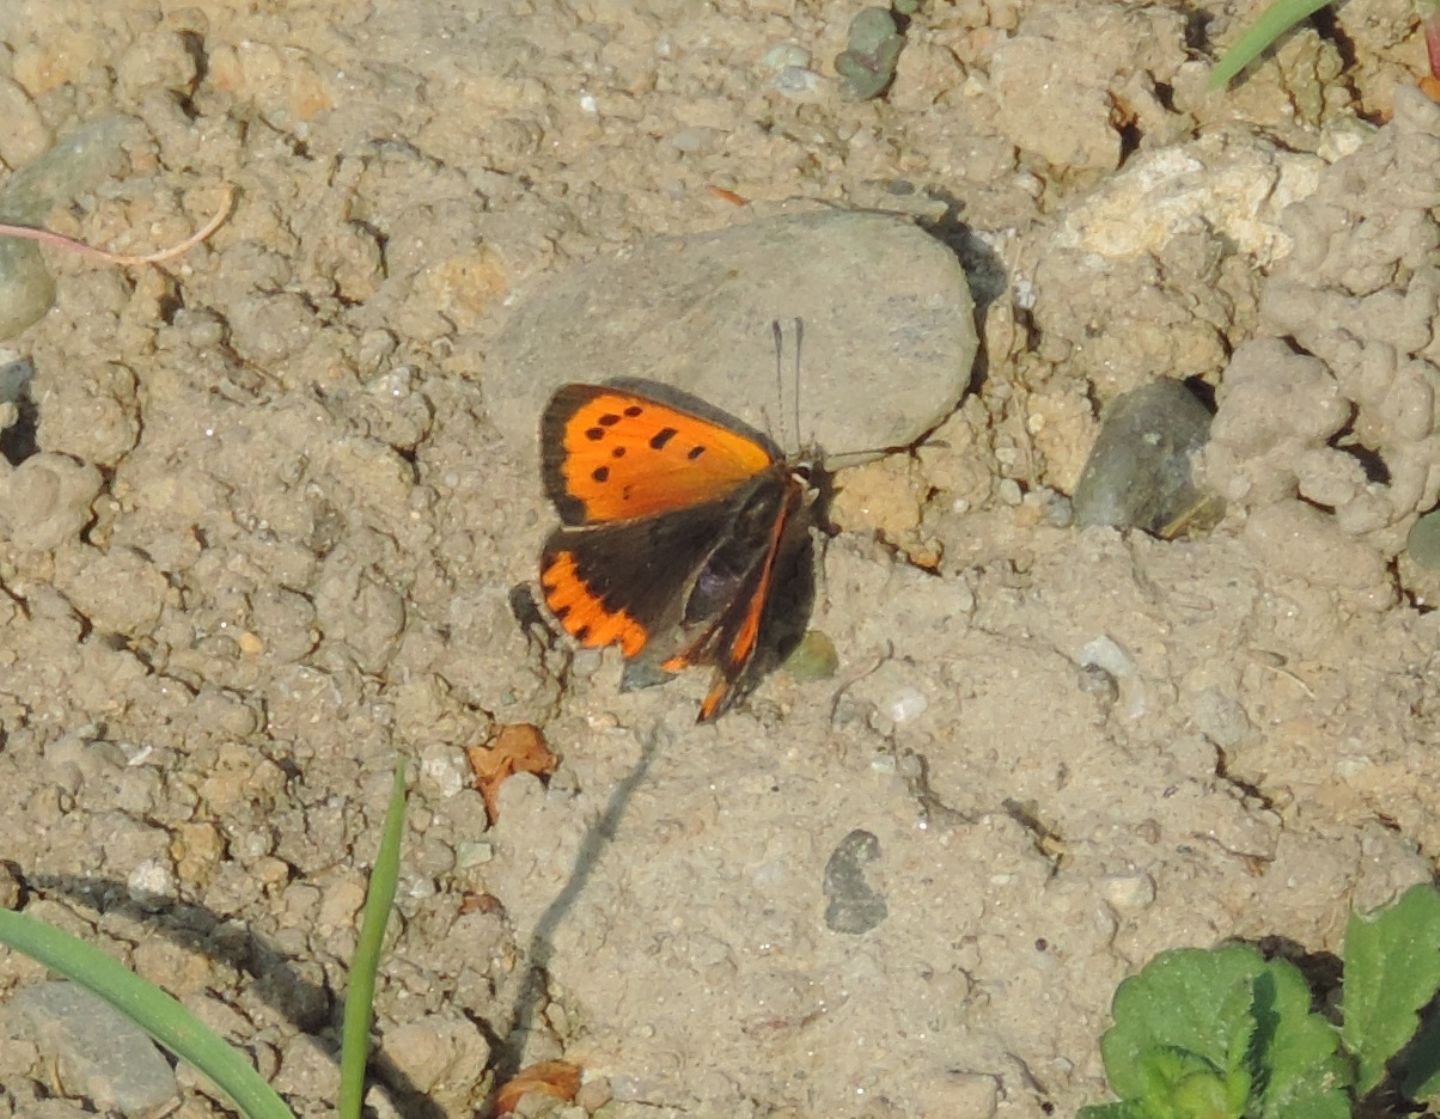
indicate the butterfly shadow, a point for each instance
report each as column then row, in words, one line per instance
column 786, row 616
column 532, row 995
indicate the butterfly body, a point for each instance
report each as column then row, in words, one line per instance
column 677, row 523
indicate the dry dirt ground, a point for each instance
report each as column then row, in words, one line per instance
column 259, row 534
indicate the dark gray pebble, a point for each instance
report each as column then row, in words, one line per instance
column 1139, row 473
column 854, row 906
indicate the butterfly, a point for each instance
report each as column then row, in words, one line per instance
column 677, row 524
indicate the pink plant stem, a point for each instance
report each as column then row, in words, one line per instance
column 58, row 240
column 1430, row 20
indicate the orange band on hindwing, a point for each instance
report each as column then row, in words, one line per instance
column 584, row 613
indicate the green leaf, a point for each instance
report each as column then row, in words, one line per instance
column 1269, row 25
column 360, row 986
column 1181, row 1085
column 1188, row 999
column 1303, row 1076
column 1223, row 1034
column 1245, row 1063
column 1392, row 969
column 1111, row 1111
column 1422, row 1063
column 148, row 1007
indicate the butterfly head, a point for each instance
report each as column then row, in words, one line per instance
column 809, row 475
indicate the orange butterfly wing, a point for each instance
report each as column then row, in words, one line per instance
column 611, row 454
column 648, row 495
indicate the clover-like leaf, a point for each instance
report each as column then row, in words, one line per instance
column 1392, row 970
column 1188, row 999
column 1302, row 1074
column 1223, row 1034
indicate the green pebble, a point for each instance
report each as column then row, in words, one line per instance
column 80, row 162
column 871, row 30
column 867, row 65
column 26, row 287
column 1423, row 543
column 814, row 658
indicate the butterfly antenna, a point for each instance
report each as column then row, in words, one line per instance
column 799, row 341
column 778, row 337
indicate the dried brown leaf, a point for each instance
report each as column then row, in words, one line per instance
column 516, row 748
column 560, row 1079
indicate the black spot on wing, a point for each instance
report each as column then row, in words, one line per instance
column 561, row 409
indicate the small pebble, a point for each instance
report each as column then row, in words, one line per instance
column 470, row 853
column 907, row 704
column 436, row 1050
column 46, row 501
column 152, row 885
column 1106, row 653
column 1138, row 474
column 796, row 82
column 814, row 658
column 443, row 768
column 867, row 65
column 26, row 287
column 854, row 906
column 782, row 56
column 1423, row 543
column 307, row 1070
column 1128, row 892
column 594, row 1094
column 80, row 162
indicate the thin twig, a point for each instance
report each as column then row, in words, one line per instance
column 60, row 241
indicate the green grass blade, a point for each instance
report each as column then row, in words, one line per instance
column 1273, row 22
column 148, row 1007
column 360, row 988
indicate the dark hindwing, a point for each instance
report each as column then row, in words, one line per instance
column 733, row 611
column 629, row 582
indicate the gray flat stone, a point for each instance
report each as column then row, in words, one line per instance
column 889, row 331
column 100, row 1053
